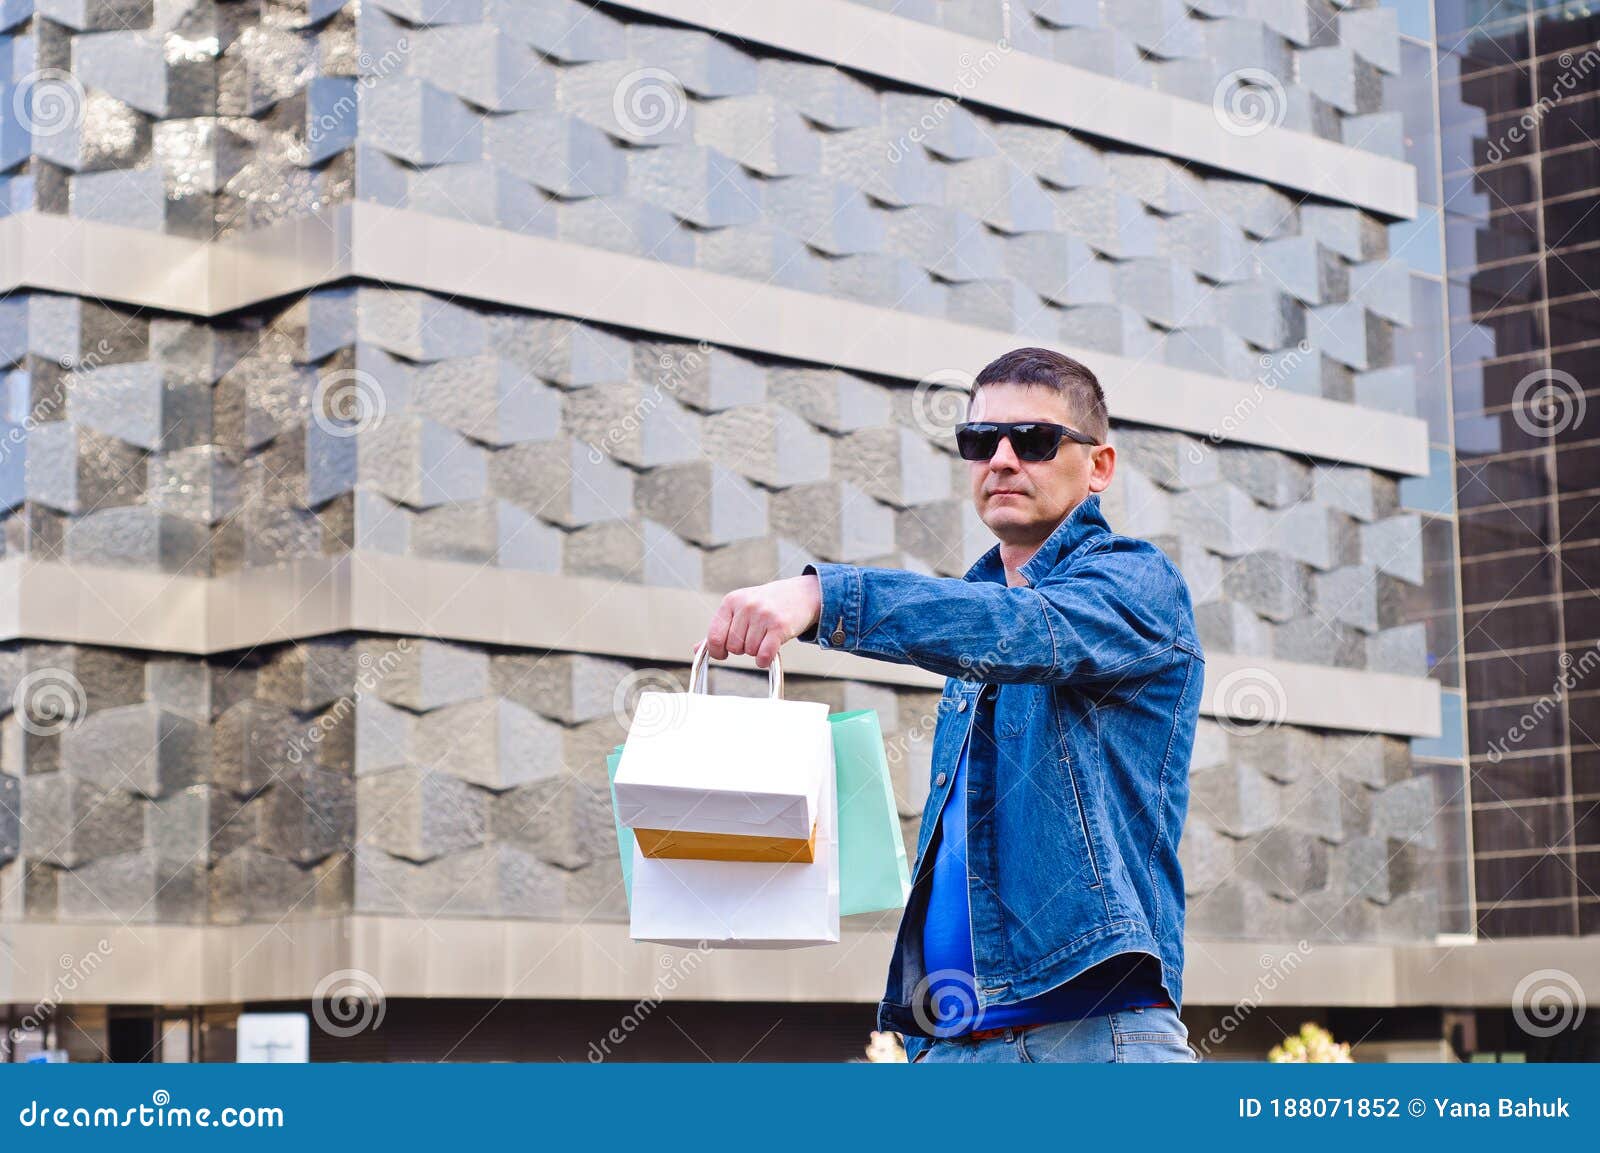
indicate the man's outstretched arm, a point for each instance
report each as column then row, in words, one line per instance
column 1108, row 617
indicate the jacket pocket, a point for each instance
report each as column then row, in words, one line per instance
column 1021, row 707
column 1064, row 760
column 1083, row 818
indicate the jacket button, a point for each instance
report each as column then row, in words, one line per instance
column 838, row 636
column 961, row 705
column 941, row 779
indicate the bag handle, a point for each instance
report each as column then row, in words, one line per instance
column 702, row 660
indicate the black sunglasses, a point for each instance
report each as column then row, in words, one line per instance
column 1031, row 440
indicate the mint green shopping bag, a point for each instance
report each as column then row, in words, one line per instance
column 624, row 834
column 873, row 872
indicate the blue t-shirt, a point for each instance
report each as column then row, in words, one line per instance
column 1122, row 982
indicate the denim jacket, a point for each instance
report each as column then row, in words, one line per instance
column 1080, row 692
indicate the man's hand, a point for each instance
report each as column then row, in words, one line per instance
column 756, row 621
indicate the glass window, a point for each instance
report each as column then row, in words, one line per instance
column 1525, row 878
column 1579, row 518
column 1495, row 91
column 1575, row 322
column 1520, row 778
column 1578, row 468
column 1500, row 39
column 1509, row 185
column 1415, row 17
column 1569, row 26
column 1573, row 122
column 1505, row 286
column 1586, row 771
column 1417, row 242
column 1550, row 919
column 1488, row 434
column 1452, row 736
column 1459, row 16
column 1422, row 347
column 1583, row 720
column 1411, row 93
column 1580, row 563
column 1472, row 241
column 1444, row 648
column 1581, row 615
column 1512, row 627
column 1583, row 363
column 1487, row 582
column 1500, row 828
column 1575, row 221
column 1499, row 529
column 1521, row 727
column 1434, row 492
column 1481, row 386
column 1497, row 678
column 1566, row 173
column 1572, row 272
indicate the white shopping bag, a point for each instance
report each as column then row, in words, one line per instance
column 742, row 904
column 741, row 766
column 737, row 768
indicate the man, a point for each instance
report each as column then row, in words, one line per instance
column 1045, row 921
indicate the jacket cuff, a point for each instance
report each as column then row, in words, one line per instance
column 838, row 624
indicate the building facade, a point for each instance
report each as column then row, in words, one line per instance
column 394, row 387
column 1518, row 114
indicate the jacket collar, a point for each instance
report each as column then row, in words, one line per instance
column 1084, row 521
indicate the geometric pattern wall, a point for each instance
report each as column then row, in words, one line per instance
column 423, row 776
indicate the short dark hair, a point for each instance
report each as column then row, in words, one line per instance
column 1040, row 366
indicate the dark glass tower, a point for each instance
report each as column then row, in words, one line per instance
column 1519, row 107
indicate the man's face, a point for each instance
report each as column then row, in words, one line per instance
column 1023, row 501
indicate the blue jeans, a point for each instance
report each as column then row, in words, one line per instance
column 1126, row 1035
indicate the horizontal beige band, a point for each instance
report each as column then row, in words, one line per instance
column 437, row 254
column 1255, row 691
column 202, row 965
column 375, row 592
column 924, row 56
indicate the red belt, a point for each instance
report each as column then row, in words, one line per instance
column 985, row 1034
